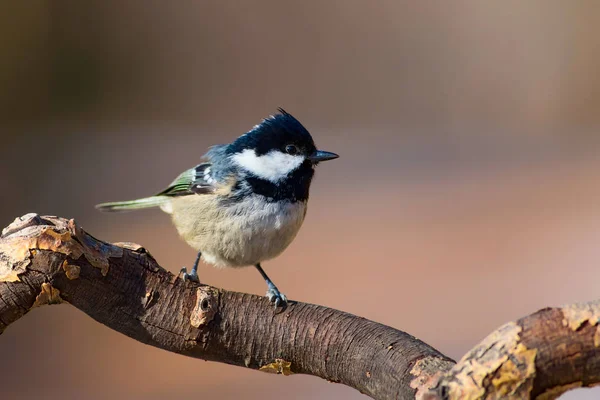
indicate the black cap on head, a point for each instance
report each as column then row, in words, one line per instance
column 275, row 133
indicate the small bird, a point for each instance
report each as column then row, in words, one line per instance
column 246, row 203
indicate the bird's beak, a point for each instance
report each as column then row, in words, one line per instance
column 319, row 156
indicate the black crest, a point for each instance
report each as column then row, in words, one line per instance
column 274, row 133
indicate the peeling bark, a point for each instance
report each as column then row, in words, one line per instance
column 50, row 260
column 47, row 260
column 540, row 356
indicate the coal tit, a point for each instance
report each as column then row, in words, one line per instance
column 246, row 203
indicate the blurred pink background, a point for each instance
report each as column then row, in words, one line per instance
column 466, row 194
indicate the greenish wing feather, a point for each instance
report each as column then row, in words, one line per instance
column 181, row 184
column 193, row 181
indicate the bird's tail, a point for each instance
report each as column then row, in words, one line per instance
column 147, row 202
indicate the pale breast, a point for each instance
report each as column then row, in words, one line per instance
column 242, row 233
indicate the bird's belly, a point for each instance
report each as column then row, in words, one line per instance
column 241, row 234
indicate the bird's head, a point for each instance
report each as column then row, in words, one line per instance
column 277, row 149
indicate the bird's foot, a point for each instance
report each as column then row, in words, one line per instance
column 276, row 297
column 192, row 276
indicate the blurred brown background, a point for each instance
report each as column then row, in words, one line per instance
column 466, row 194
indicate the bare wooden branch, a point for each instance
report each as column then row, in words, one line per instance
column 540, row 356
column 50, row 260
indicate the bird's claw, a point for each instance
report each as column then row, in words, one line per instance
column 276, row 297
column 192, row 276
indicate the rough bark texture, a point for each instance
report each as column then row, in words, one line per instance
column 49, row 260
column 540, row 356
column 45, row 260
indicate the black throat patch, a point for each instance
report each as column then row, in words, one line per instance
column 295, row 187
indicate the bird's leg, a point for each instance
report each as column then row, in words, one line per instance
column 193, row 275
column 274, row 295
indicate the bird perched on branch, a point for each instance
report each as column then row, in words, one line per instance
column 246, row 203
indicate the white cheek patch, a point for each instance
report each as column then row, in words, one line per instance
column 272, row 166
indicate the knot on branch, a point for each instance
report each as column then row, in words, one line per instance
column 205, row 308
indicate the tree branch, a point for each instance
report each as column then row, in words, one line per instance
column 540, row 356
column 49, row 260
column 46, row 260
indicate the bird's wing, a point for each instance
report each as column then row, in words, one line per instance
column 195, row 180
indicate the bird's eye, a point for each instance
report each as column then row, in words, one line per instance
column 291, row 149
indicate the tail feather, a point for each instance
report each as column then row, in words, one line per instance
column 147, row 202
